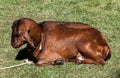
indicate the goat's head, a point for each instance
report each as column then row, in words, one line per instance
column 21, row 32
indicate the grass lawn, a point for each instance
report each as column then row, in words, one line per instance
column 102, row 14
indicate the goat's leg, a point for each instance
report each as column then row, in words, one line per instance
column 92, row 59
column 49, row 58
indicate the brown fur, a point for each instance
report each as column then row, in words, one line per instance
column 62, row 40
column 66, row 40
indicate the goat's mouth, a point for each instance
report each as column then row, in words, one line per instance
column 15, row 46
column 18, row 45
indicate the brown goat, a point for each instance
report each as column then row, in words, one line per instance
column 69, row 41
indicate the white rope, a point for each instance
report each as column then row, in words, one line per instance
column 26, row 62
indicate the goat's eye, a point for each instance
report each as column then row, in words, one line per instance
column 28, row 31
column 17, row 35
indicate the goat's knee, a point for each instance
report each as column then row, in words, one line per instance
column 39, row 63
column 44, row 62
column 100, row 61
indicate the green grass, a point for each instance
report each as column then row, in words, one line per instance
column 102, row 14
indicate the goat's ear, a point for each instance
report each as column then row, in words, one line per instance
column 16, row 23
column 28, row 39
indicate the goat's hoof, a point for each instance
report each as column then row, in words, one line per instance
column 59, row 62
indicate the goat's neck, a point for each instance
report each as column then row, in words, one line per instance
column 36, row 36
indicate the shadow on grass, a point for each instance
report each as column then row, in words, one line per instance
column 22, row 54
